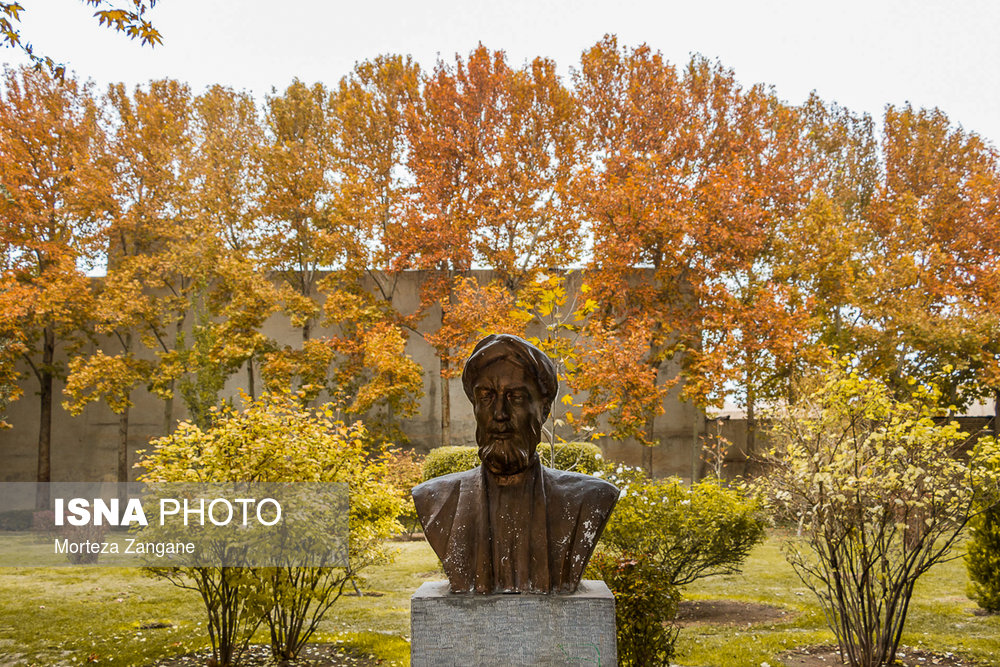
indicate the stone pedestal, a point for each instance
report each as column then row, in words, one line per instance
column 518, row 629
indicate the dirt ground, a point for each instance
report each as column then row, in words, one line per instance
column 827, row 656
column 728, row 612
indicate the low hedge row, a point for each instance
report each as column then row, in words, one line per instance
column 577, row 456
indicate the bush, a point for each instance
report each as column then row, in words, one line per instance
column 881, row 490
column 82, row 535
column 580, row 457
column 662, row 535
column 276, row 440
column 16, row 520
column 576, row 456
column 404, row 470
column 982, row 560
column 446, row 460
column 688, row 532
column 645, row 606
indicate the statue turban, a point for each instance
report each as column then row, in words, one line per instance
column 516, row 350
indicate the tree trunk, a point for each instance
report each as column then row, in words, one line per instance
column 650, row 429
column 45, row 418
column 996, row 412
column 122, row 475
column 445, row 403
column 168, row 403
column 168, row 411
column 696, row 447
column 751, row 445
column 250, row 380
column 306, row 333
column 123, row 446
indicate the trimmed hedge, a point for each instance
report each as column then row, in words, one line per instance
column 445, row 460
column 16, row 520
column 576, row 456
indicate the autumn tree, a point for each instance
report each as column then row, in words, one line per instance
column 155, row 259
column 227, row 186
column 130, row 20
column 558, row 314
column 896, row 247
column 691, row 182
column 55, row 182
column 331, row 195
column 522, row 219
column 9, row 389
column 492, row 149
column 207, row 299
column 299, row 238
column 822, row 250
column 636, row 192
column 927, row 304
column 753, row 185
column 371, row 374
column 370, row 149
column 446, row 131
column 480, row 309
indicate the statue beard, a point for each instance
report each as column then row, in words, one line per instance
column 510, row 453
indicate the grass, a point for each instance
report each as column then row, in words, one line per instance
column 940, row 617
column 72, row 615
column 76, row 615
column 69, row 615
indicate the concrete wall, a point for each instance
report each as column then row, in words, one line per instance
column 84, row 448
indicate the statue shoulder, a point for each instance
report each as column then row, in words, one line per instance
column 599, row 491
column 444, row 485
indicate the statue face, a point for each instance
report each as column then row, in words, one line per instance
column 508, row 407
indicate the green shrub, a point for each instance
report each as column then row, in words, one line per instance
column 275, row 439
column 16, row 520
column 662, row 535
column 446, row 460
column 982, row 559
column 576, row 456
column 881, row 487
column 645, row 606
column 688, row 532
column 404, row 470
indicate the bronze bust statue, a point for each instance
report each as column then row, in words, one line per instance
column 512, row 525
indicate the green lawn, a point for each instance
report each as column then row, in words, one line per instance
column 64, row 616
column 940, row 618
column 72, row 615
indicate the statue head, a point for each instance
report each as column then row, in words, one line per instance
column 511, row 384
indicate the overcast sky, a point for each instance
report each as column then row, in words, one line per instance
column 864, row 55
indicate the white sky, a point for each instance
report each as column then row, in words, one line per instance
column 864, row 55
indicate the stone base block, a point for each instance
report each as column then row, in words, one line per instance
column 466, row 630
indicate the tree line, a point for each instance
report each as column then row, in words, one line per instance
column 714, row 225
